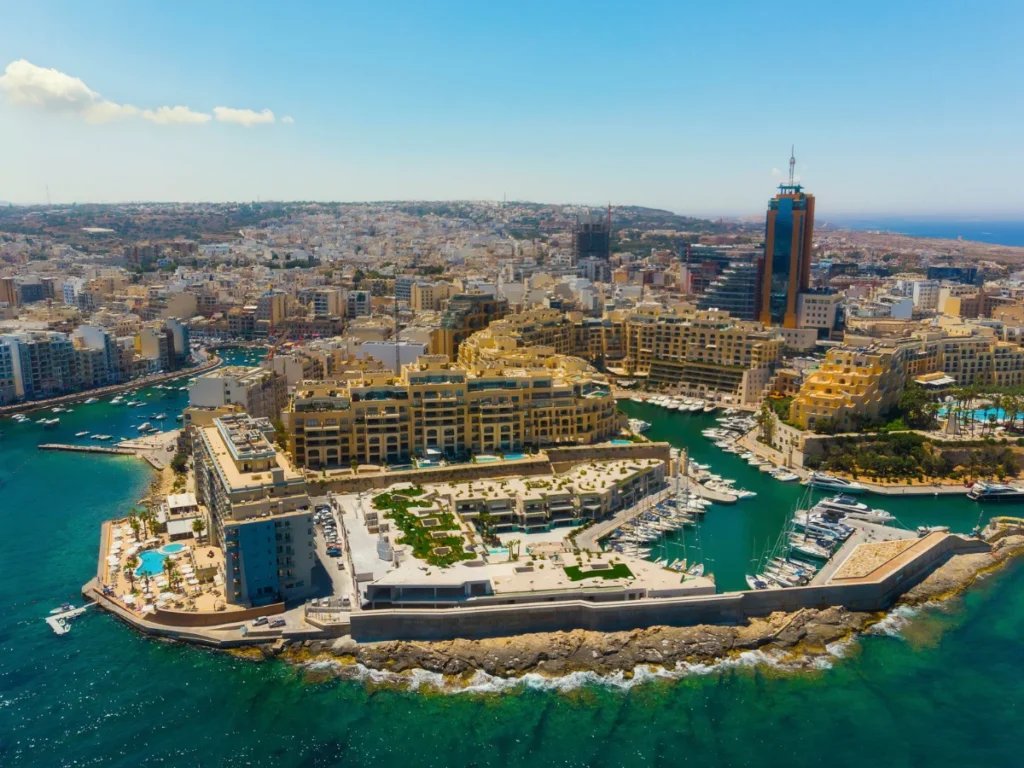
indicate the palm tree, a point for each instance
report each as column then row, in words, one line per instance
column 766, row 422
column 136, row 526
column 198, row 526
column 148, row 518
column 129, row 570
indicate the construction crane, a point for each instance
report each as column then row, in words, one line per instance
column 277, row 343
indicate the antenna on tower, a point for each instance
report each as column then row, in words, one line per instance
column 792, row 163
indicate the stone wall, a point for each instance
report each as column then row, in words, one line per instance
column 191, row 619
column 729, row 608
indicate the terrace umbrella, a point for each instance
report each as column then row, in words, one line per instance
column 167, row 595
column 113, row 560
column 127, row 599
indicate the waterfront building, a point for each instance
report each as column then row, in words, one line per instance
column 436, row 408
column 851, row 387
column 8, row 391
column 788, row 238
column 42, row 363
column 589, row 491
column 259, row 512
column 260, row 392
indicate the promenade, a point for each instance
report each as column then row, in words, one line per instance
column 32, row 405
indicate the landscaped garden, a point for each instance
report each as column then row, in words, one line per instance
column 428, row 542
column 616, row 571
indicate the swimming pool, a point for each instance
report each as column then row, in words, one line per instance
column 485, row 459
column 514, row 456
column 151, row 562
column 622, row 442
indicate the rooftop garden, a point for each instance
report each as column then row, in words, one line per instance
column 427, row 542
column 616, row 571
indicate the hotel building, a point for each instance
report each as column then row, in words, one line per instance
column 259, row 511
column 437, row 408
column 788, row 237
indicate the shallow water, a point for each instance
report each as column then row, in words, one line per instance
column 942, row 687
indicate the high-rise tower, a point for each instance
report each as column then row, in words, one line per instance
column 788, row 236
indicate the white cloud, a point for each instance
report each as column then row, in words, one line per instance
column 23, row 84
column 26, row 85
column 246, row 117
column 288, row 119
column 776, row 172
column 175, row 116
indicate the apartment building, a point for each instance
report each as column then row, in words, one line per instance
column 539, row 503
column 851, row 387
column 435, row 408
column 42, row 364
column 327, row 301
column 259, row 511
column 465, row 314
column 261, row 392
column 358, row 304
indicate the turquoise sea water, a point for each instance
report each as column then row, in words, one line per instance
column 947, row 690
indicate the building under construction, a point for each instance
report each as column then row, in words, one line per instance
column 592, row 244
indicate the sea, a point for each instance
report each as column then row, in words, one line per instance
column 937, row 686
column 978, row 230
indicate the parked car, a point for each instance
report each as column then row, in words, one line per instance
column 259, row 621
column 278, row 622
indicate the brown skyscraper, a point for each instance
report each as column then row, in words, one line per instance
column 788, row 236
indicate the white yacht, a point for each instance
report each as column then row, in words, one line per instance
column 995, row 492
column 832, row 483
column 853, row 509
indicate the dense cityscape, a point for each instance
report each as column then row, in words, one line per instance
column 462, row 368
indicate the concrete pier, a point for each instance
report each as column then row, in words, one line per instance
column 87, row 449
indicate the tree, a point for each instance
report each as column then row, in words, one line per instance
column 766, row 422
column 198, row 526
column 913, row 401
column 355, row 466
column 129, row 570
column 133, row 522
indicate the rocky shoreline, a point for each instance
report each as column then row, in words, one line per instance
column 800, row 638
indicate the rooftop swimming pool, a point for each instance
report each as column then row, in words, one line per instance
column 485, row 459
column 622, row 442
column 514, row 456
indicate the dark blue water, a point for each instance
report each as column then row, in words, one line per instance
column 982, row 231
column 948, row 691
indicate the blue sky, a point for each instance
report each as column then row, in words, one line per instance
column 898, row 106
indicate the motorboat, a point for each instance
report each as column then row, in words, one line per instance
column 784, row 476
column 847, row 507
column 833, row 483
column 144, row 426
column 81, row 434
column 995, row 492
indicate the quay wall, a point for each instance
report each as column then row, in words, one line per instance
column 728, row 608
column 87, row 449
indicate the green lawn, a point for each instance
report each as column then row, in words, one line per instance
column 617, row 571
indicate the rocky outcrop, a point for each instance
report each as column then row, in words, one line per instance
column 799, row 636
column 559, row 653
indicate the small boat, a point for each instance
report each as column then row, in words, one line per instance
column 144, row 426
column 754, row 583
column 696, row 571
column 91, row 400
column 81, row 434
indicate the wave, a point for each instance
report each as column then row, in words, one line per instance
column 480, row 682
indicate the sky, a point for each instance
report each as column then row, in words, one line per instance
column 893, row 107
